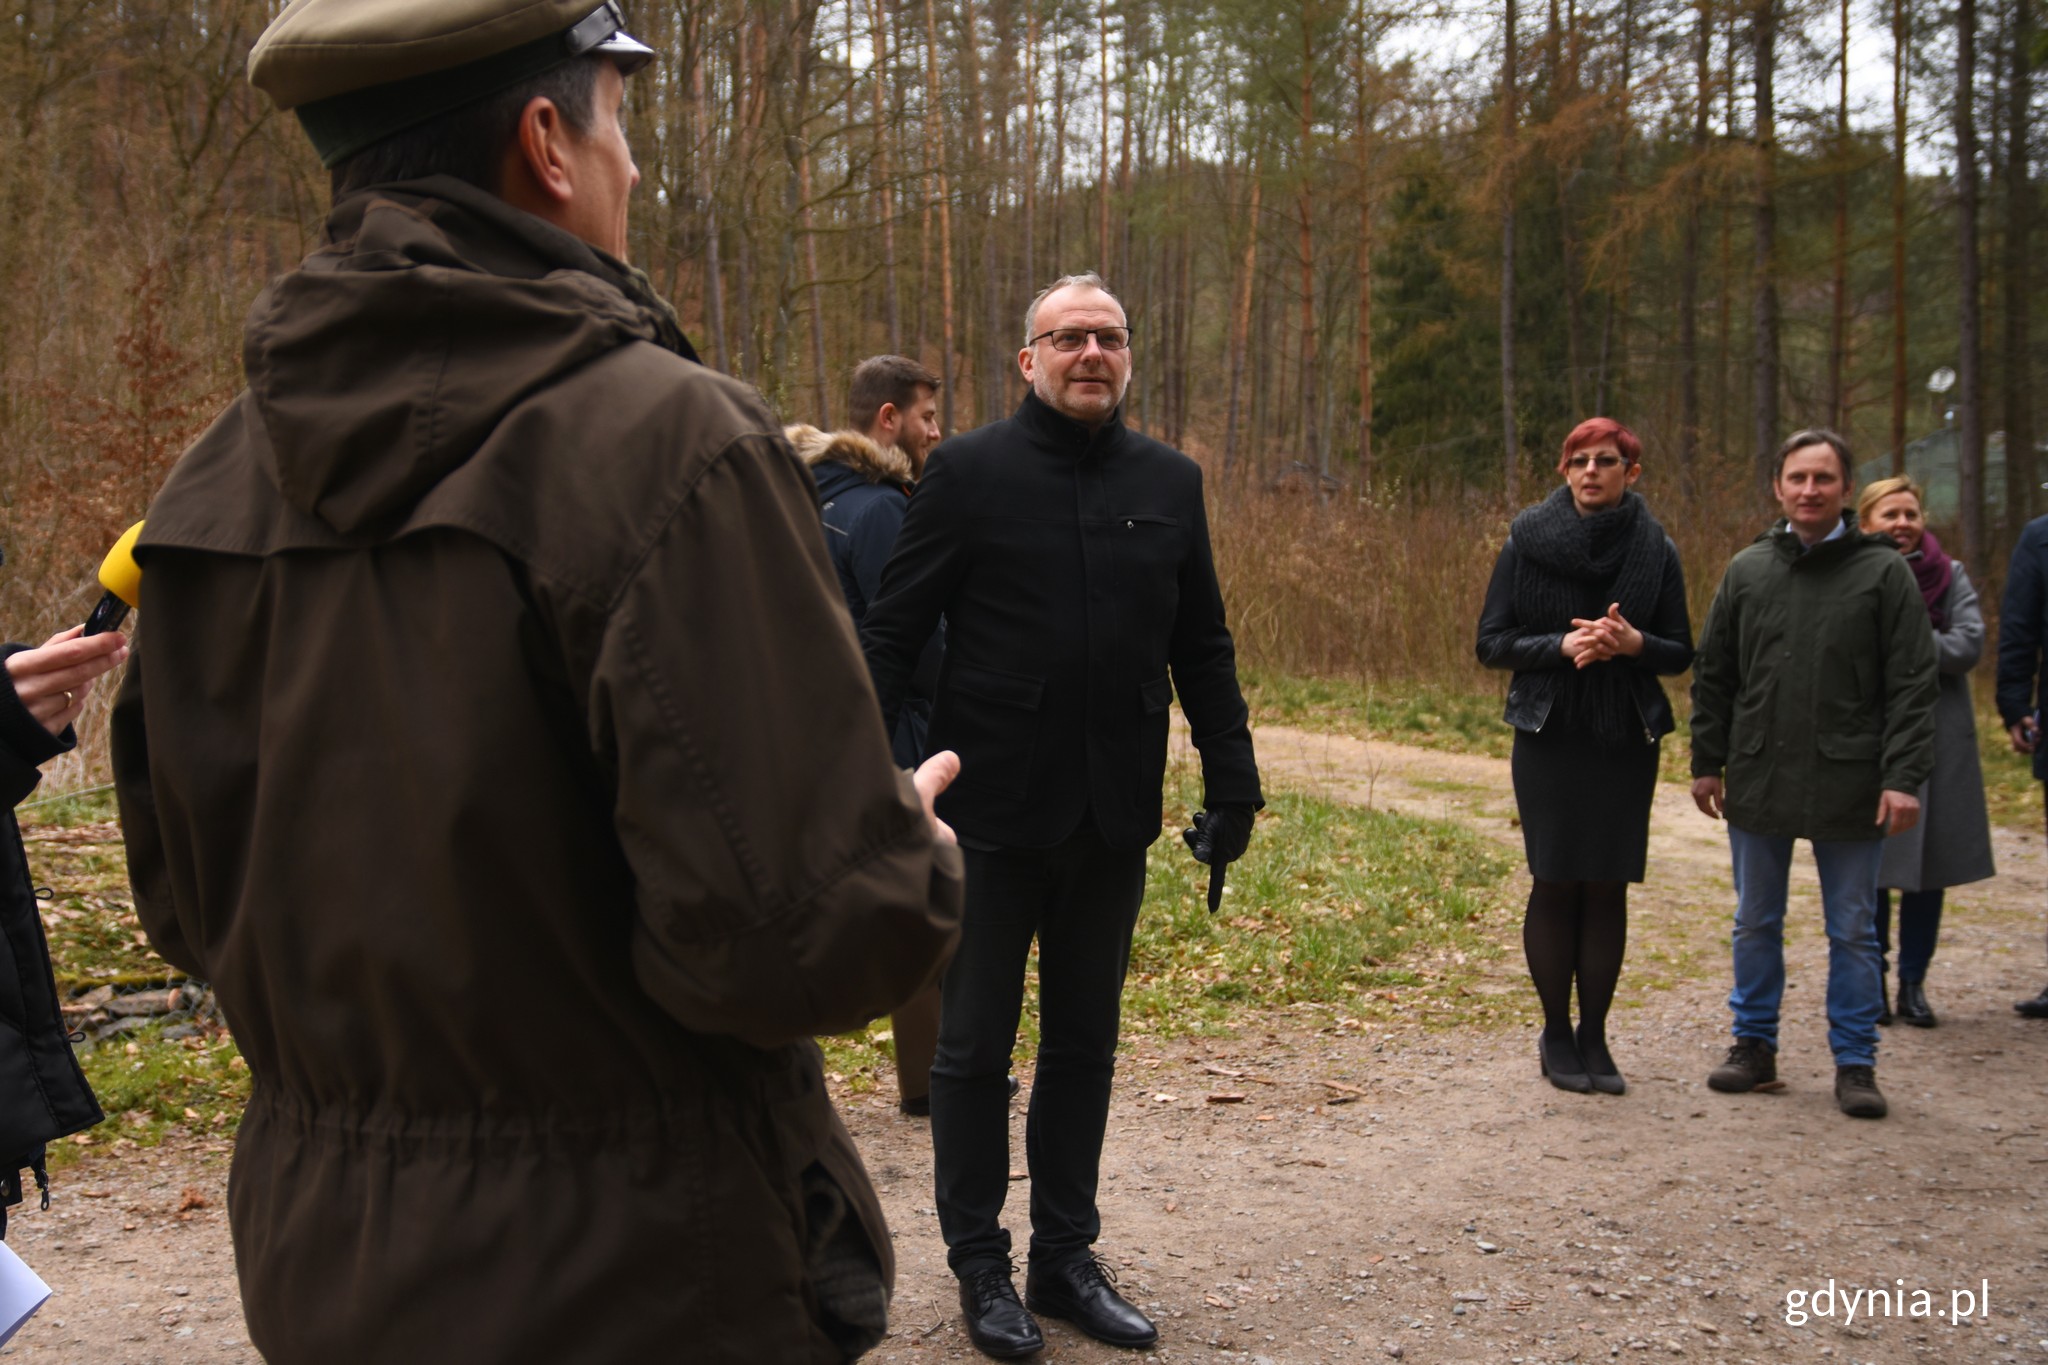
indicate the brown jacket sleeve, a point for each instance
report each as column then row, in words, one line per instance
column 788, row 880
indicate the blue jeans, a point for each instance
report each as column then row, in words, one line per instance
column 1848, row 895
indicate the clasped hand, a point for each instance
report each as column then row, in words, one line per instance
column 1606, row 637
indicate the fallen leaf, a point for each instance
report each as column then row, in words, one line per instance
column 1343, row 1088
column 1264, row 1118
column 190, row 1198
column 1163, row 1098
column 1215, row 1070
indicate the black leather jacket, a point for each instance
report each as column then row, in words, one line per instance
column 1537, row 657
column 43, row 1093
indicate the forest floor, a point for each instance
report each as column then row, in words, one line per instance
column 1394, row 1188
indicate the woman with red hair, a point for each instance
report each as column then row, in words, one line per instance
column 1587, row 607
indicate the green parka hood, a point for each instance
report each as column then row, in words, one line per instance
column 433, row 310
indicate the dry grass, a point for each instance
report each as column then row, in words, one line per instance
column 1384, row 590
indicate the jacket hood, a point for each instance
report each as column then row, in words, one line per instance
column 381, row 364
column 873, row 463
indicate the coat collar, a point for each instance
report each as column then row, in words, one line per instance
column 1058, row 431
column 850, row 448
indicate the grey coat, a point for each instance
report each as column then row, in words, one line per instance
column 1952, row 843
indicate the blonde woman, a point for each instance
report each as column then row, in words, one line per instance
column 1952, row 843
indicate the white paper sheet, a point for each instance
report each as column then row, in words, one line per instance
column 22, row 1292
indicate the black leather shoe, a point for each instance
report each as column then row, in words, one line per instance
column 1884, row 1001
column 2037, row 1008
column 1913, row 1006
column 1562, row 1065
column 1084, row 1294
column 1601, row 1071
column 996, row 1322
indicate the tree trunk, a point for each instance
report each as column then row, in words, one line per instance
column 935, row 152
column 1614, row 318
column 885, row 204
column 1510, row 437
column 714, row 274
column 1241, row 317
column 1764, row 300
column 1689, row 262
column 2019, row 231
column 1363, row 131
column 1902, row 46
column 1969, row 319
column 1102, row 243
column 1838, row 329
column 1310, row 448
column 1031, row 145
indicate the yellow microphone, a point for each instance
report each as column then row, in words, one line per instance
column 121, row 576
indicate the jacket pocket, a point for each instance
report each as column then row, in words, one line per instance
column 1849, row 748
column 991, row 718
column 1004, row 689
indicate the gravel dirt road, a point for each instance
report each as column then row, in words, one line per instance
column 1386, row 1191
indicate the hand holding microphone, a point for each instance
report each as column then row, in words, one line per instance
column 52, row 679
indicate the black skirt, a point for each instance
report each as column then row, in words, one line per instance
column 1585, row 808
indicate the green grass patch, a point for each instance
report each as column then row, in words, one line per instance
column 89, row 914
column 151, row 1085
column 1346, row 911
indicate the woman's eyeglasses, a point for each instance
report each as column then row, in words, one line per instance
column 1076, row 338
column 1604, row 460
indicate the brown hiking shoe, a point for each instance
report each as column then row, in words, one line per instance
column 1857, row 1093
column 1751, row 1065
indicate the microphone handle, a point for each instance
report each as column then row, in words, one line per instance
column 108, row 615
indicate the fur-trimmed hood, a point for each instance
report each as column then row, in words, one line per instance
column 872, row 462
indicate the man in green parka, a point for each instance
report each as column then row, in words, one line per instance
column 1813, row 718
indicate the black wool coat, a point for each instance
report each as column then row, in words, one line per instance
column 43, row 1094
column 1073, row 570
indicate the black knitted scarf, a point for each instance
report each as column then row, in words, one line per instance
column 1573, row 566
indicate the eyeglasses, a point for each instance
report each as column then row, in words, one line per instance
column 1604, row 460
column 1076, row 338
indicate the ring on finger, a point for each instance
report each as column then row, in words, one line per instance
column 67, row 701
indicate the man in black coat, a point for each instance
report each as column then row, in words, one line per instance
column 1070, row 558
column 2022, row 639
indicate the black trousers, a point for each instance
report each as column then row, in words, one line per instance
column 1080, row 900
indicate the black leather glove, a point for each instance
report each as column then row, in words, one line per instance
column 1219, row 837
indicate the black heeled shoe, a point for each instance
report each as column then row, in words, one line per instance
column 1600, row 1068
column 1913, row 1006
column 1562, row 1065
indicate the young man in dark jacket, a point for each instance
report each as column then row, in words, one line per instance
column 43, row 1093
column 1070, row 559
column 502, row 755
column 1813, row 718
column 2022, row 634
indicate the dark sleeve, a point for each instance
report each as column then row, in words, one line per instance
column 2019, row 630
column 788, row 882
column 141, row 832
column 24, row 744
column 1716, row 677
column 917, row 582
column 870, row 539
column 1204, row 662
column 1502, row 641
column 1911, row 682
column 1667, row 639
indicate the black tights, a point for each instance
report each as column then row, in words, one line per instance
column 1576, row 928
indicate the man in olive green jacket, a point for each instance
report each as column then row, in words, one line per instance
column 502, row 752
column 1813, row 692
